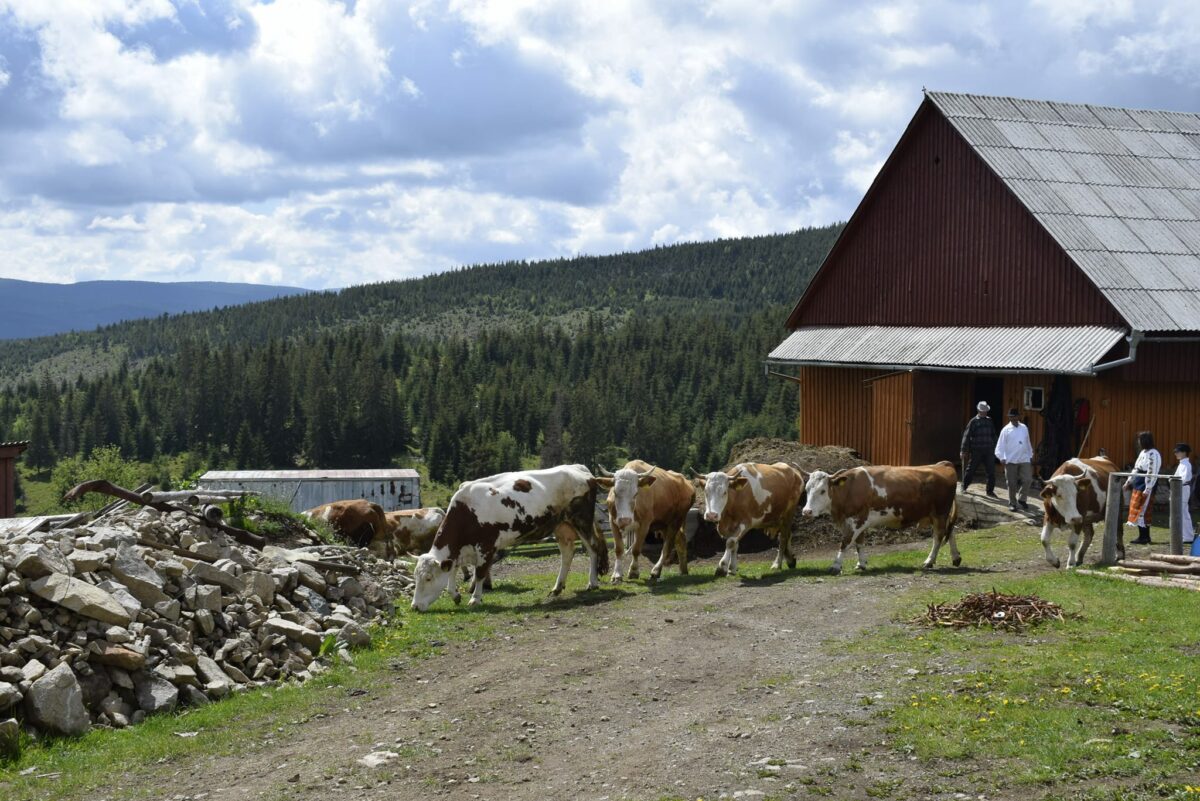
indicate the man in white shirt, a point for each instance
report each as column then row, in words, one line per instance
column 1015, row 452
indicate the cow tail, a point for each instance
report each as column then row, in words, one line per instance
column 600, row 546
column 953, row 519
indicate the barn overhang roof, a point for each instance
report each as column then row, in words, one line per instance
column 1073, row 351
column 309, row 475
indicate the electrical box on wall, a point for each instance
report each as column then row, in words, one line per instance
column 1035, row 398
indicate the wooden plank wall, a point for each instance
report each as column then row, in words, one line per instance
column 891, row 419
column 835, row 407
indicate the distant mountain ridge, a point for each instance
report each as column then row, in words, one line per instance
column 34, row 309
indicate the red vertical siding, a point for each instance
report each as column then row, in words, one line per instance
column 835, row 408
column 939, row 240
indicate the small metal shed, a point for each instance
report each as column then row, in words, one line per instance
column 391, row 488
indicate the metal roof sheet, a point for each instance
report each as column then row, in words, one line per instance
column 307, row 475
column 1102, row 180
column 1057, row 350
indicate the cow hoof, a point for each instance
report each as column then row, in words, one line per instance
column 1057, row 564
column 557, row 591
column 860, row 568
column 836, row 570
column 683, row 571
column 457, row 600
column 487, row 583
column 617, row 579
column 474, row 601
column 653, row 577
column 957, row 561
column 926, row 565
column 792, row 563
column 719, row 572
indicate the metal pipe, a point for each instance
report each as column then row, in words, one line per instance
column 1134, row 338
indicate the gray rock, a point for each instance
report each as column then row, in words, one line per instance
column 118, row 635
column 10, row 738
column 205, row 622
column 312, row 600
column 210, row 574
column 154, row 693
column 88, row 561
column 9, row 695
column 119, row 656
column 294, row 631
column 260, row 585
column 33, row 670
column 79, row 596
column 168, row 609
column 203, row 596
column 34, row 561
column 130, row 604
column 354, row 635
column 138, row 577
column 216, row 681
column 350, row 587
column 55, row 702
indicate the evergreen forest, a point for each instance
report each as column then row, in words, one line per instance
column 656, row 354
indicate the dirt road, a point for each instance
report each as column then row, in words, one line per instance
column 741, row 689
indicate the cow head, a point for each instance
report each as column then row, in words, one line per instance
column 1062, row 492
column 717, row 487
column 623, row 488
column 818, row 488
column 432, row 577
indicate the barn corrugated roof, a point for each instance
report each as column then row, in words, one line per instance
column 1050, row 349
column 307, row 475
column 1118, row 189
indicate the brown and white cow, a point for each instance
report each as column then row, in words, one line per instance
column 867, row 497
column 748, row 496
column 504, row 510
column 413, row 529
column 361, row 522
column 643, row 498
column 1074, row 497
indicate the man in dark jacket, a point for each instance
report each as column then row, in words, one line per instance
column 979, row 448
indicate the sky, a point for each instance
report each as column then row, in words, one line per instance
column 327, row 143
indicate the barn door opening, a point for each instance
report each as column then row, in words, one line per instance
column 940, row 412
column 991, row 389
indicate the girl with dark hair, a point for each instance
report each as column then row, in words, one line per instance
column 1148, row 465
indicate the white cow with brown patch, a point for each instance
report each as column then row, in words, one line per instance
column 413, row 530
column 875, row 496
column 507, row 509
column 749, row 496
column 643, row 498
column 1074, row 498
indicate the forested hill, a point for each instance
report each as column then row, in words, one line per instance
column 735, row 275
column 657, row 354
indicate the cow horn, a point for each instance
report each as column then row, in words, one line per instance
column 603, row 472
column 648, row 472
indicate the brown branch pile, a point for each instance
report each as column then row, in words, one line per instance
column 994, row 609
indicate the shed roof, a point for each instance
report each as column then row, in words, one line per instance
column 1118, row 189
column 309, row 475
column 1058, row 350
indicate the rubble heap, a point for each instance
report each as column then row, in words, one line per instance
column 111, row 622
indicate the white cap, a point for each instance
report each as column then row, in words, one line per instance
column 982, row 406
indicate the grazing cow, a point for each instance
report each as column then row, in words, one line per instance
column 1075, row 497
column 893, row 497
column 752, row 496
column 413, row 529
column 497, row 512
column 361, row 522
column 641, row 499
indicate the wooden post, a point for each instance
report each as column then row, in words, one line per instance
column 1112, row 520
column 1176, row 515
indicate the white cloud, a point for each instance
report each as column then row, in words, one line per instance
column 321, row 143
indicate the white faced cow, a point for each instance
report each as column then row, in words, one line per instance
column 641, row 499
column 497, row 512
column 893, row 497
column 1074, row 497
column 748, row 496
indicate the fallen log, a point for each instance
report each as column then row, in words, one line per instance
column 1178, row 559
column 196, row 497
column 1148, row 581
column 1160, row 567
column 108, row 488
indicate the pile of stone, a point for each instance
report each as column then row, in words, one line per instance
column 111, row 622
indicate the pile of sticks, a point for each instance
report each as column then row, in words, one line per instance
column 995, row 609
column 1159, row 570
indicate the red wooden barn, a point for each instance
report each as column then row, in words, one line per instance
column 1006, row 242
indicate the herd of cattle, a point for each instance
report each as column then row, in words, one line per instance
column 490, row 514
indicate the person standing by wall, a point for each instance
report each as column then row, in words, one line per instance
column 1148, row 465
column 1183, row 455
column 1015, row 451
column 978, row 448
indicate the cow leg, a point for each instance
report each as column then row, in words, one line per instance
column 452, row 580
column 681, row 549
column 955, row 556
column 858, row 548
column 785, row 543
column 939, row 534
column 1072, row 545
column 1047, row 530
column 778, row 563
column 848, row 535
column 619, row 548
column 664, row 556
column 728, row 563
column 1078, row 548
column 566, row 552
column 637, row 543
